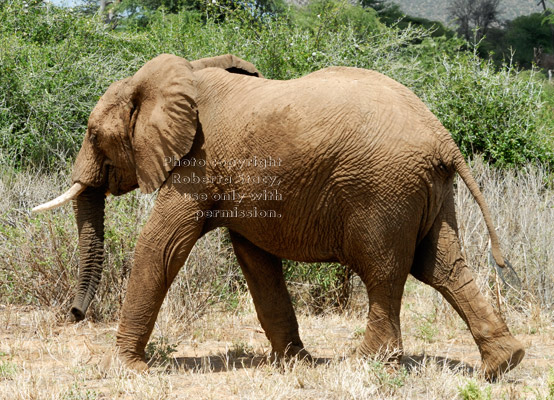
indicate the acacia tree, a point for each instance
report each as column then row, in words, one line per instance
column 470, row 15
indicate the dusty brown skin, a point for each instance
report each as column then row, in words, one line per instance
column 365, row 173
column 89, row 207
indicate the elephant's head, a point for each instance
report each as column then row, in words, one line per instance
column 137, row 125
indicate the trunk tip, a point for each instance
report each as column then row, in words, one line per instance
column 76, row 315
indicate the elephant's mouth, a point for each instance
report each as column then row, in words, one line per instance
column 119, row 180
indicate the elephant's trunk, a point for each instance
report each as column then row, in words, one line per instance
column 89, row 212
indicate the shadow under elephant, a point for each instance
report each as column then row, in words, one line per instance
column 229, row 360
column 226, row 361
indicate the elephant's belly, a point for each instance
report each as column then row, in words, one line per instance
column 296, row 251
column 282, row 235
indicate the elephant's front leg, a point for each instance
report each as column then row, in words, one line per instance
column 162, row 249
column 439, row 263
column 264, row 276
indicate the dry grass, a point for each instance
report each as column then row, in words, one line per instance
column 523, row 208
column 207, row 341
column 43, row 359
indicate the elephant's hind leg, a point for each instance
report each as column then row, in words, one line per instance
column 383, row 334
column 384, row 270
column 439, row 263
column 162, row 249
column 264, row 276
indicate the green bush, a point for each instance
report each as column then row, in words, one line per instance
column 319, row 287
column 517, row 40
column 499, row 114
column 472, row 391
column 56, row 62
column 54, row 65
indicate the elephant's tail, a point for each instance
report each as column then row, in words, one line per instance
column 465, row 174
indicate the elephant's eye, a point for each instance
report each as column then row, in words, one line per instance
column 93, row 139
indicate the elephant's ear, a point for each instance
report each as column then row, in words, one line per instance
column 164, row 118
column 229, row 63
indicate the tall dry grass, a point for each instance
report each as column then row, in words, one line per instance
column 522, row 206
column 221, row 357
column 38, row 253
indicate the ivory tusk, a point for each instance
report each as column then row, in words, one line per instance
column 72, row 193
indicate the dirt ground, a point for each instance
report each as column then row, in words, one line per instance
column 223, row 356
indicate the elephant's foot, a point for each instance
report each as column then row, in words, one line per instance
column 133, row 361
column 501, row 356
column 382, row 337
column 291, row 353
column 136, row 365
column 116, row 360
column 381, row 344
column 390, row 354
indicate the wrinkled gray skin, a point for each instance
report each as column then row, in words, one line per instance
column 365, row 172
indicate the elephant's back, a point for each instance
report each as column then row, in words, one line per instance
column 344, row 125
column 318, row 109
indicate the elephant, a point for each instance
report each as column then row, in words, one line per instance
column 91, row 261
column 342, row 165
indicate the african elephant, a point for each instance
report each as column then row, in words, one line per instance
column 92, row 235
column 342, row 165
